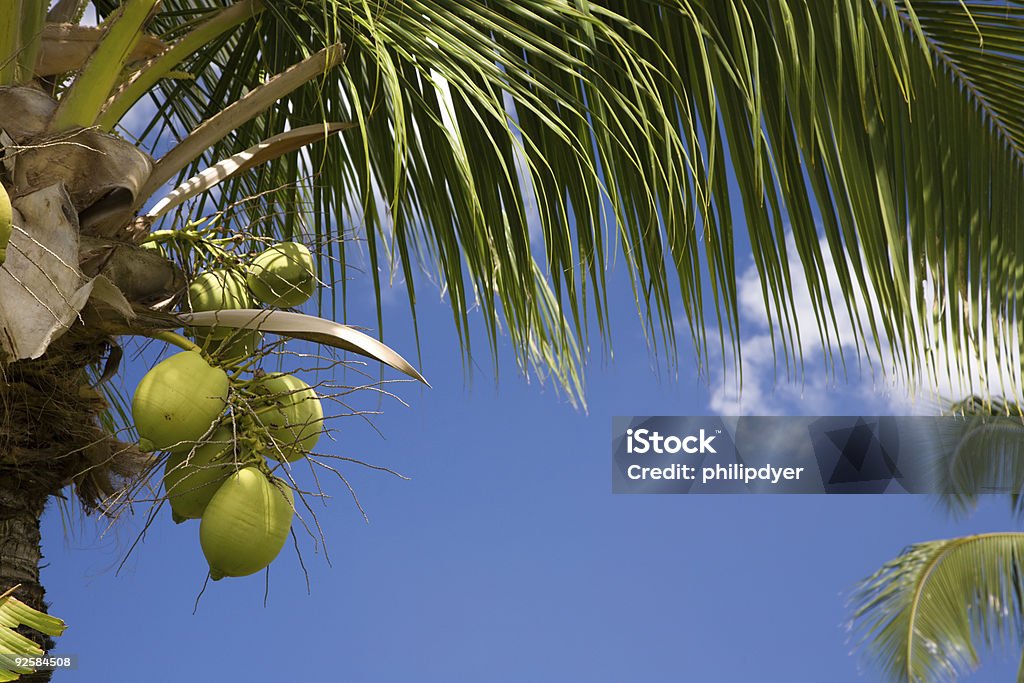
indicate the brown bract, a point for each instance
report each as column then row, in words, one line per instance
column 72, row 275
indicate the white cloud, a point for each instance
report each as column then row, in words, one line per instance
column 870, row 384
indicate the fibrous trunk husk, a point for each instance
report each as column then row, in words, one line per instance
column 49, row 439
column 20, row 557
column 49, row 434
column 80, row 183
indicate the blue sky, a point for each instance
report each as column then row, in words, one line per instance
column 505, row 557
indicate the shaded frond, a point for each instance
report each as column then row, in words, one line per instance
column 980, row 455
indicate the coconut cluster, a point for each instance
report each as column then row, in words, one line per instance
column 220, row 462
column 282, row 276
column 224, row 435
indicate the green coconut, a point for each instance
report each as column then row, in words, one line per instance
column 236, row 346
column 292, row 413
column 245, row 524
column 283, row 276
column 192, row 477
column 178, row 401
column 217, row 289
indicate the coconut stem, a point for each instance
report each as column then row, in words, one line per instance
column 244, row 365
column 175, row 339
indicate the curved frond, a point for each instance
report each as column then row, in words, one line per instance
column 978, row 449
column 268, row 150
column 924, row 615
column 978, row 456
column 299, row 326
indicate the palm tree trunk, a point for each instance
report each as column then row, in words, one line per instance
column 21, row 553
column 50, row 438
column 20, row 550
column 38, row 410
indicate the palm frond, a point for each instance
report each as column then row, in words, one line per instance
column 15, row 647
column 978, row 450
column 977, row 456
column 924, row 615
column 84, row 98
column 509, row 147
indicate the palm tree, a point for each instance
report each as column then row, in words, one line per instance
column 511, row 151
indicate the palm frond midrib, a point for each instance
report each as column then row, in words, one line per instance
column 989, row 111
